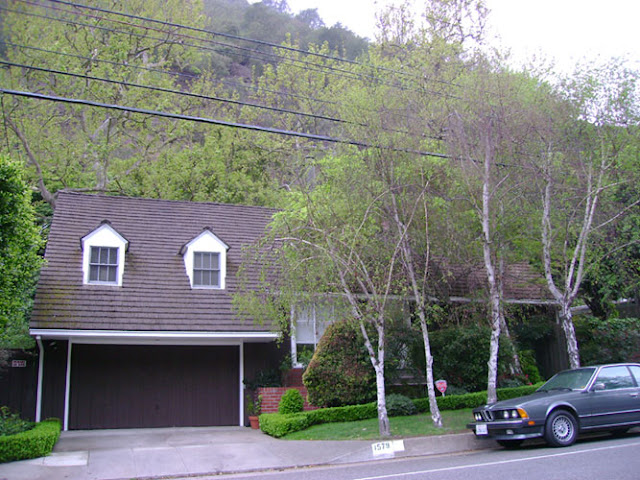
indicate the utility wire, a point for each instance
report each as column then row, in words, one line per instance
column 294, row 62
column 210, row 32
column 270, row 55
column 167, row 72
column 211, row 121
column 99, row 60
column 230, row 36
column 178, row 92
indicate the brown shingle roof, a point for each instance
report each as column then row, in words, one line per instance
column 155, row 294
column 522, row 284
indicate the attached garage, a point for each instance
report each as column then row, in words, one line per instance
column 117, row 386
column 134, row 313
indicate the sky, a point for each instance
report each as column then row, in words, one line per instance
column 565, row 30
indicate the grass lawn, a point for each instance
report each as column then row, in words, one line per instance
column 454, row 421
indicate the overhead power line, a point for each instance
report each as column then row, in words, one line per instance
column 234, row 37
column 303, row 64
column 202, row 30
column 178, row 92
column 97, row 59
column 212, row 121
column 294, row 62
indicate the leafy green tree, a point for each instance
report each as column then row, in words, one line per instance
column 580, row 172
column 20, row 261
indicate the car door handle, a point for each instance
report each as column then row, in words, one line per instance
column 633, row 395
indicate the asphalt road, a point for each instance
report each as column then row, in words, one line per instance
column 601, row 458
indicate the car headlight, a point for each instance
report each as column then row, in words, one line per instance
column 477, row 416
column 514, row 413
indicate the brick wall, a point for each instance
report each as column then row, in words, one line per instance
column 271, row 398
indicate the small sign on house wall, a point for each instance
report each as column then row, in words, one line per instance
column 18, row 363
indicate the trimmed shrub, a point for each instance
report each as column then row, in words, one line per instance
column 278, row 425
column 11, row 423
column 340, row 372
column 349, row 413
column 399, row 405
column 291, row 402
column 37, row 442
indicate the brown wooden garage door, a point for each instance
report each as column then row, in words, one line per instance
column 153, row 386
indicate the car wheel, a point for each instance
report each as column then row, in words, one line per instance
column 509, row 444
column 561, row 429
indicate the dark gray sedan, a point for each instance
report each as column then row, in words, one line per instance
column 603, row 397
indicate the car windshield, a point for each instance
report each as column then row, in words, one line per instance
column 576, row 379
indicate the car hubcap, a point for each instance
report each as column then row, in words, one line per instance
column 562, row 428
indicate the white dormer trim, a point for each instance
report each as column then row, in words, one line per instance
column 103, row 236
column 207, row 242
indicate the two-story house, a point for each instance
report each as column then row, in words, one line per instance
column 133, row 313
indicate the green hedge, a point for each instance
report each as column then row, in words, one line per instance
column 37, row 442
column 278, row 425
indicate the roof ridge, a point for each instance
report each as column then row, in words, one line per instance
column 149, row 199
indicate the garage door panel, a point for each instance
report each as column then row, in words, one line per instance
column 160, row 386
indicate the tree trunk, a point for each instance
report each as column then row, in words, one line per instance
column 377, row 360
column 494, row 290
column 384, row 428
column 492, row 374
column 566, row 320
column 433, row 403
column 419, row 296
column 515, row 368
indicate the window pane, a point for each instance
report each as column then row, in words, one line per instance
column 615, row 377
column 636, row 373
column 304, row 325
column 206, row 272
column 103, row 264
column 112, row 273
column 113, row 256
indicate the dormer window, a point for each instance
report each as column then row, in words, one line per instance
column 103, row 254
column 205, row 261
column 103, row 265
column 206, row 269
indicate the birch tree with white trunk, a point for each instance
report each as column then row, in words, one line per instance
column 334, row 243
column 578, row 170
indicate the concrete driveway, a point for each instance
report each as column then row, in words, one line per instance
column 162, row 452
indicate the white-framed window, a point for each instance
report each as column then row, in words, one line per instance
column 309, row 323
column 206, row 269
column 205, row 261
column 103, row 265
column 103, row 256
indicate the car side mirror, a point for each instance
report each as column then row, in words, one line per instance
column 598, row 386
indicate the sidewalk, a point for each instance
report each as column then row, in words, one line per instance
column 175, row 452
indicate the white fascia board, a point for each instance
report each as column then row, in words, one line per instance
column 127, row 337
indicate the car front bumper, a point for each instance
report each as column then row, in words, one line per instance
column 506, row 430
